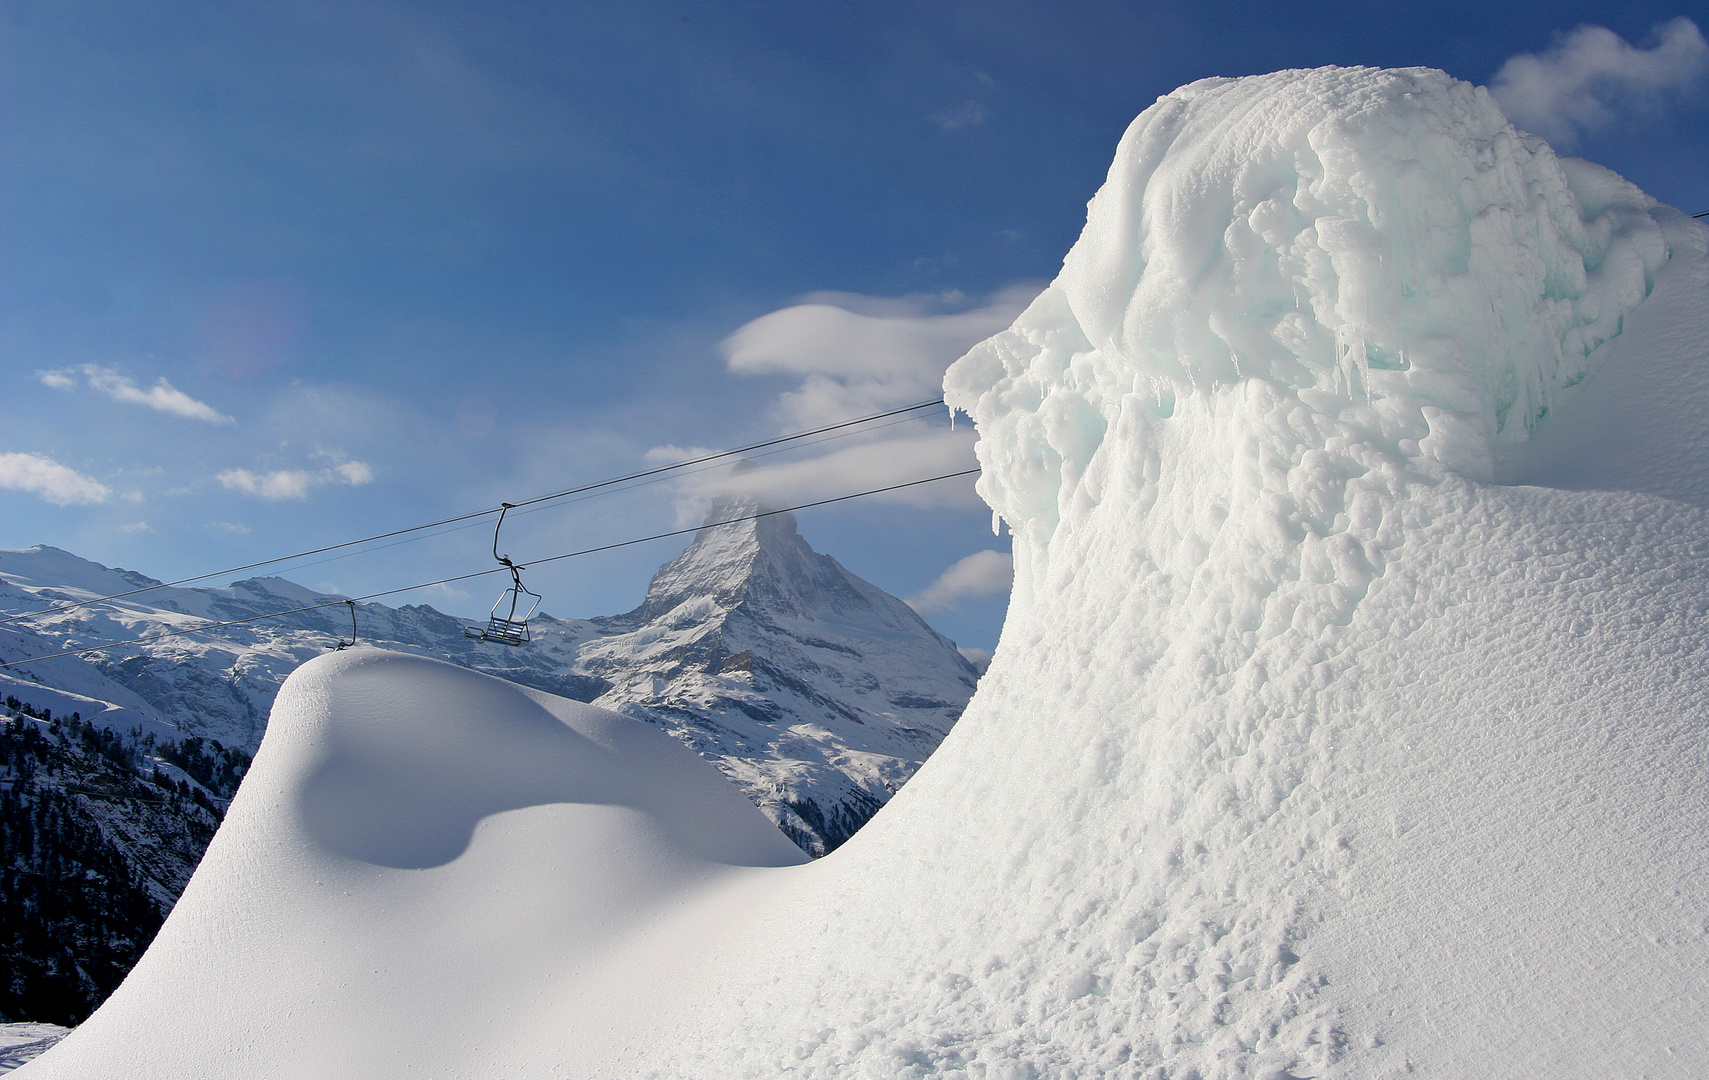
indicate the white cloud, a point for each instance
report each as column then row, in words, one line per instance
column 860, row 467
column 858, row 354
column 273, row 486
column 136, row 527
column 979, row 658
column 283, row 484
column 162, row 396
column 854, row 355
column 983, row 573
column 236, row 528
column 354, row 473
column 671, row 454
column 1589, row 77
column 58, row 484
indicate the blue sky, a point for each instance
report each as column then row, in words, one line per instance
column 274, row 275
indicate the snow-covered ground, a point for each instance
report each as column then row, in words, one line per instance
column 20, row 1043
column 1350, row 719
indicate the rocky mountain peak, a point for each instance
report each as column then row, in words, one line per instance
column 762, row 562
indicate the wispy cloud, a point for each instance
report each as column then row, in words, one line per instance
column 983, row 573
column 1590, row 77
column 283, row 484
column 864, row 466
column 670, row 454
column 162, row 396
column 960, row 115
column 858, row 354
column 979, row 658
column 272, row 486
column 56, row 483
column 136, row 527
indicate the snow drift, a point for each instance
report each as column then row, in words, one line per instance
column 422, row 862
column 1308, row 749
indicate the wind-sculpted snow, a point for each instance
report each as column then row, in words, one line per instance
column 411, row 763
column 422, row 860
column 1416, row 275
column 1306, row 751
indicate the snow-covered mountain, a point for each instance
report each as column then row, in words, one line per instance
column 818, row 693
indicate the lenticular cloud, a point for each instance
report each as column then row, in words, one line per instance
column 1309, row 748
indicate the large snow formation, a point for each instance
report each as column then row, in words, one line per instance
column 423, row 864
column 1316, row 744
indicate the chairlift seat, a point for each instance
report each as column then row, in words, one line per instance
column 511, row 627
column 502, row 631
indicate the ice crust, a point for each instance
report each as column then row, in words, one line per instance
column 1306, row 751
column 1381, row 244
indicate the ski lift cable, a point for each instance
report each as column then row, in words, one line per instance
column 485, row 573
column 752, row 517
column 467, row 525
column 519, row 509
column 481, row 513
column 727, row 453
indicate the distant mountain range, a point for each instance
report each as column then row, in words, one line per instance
column 816, row 692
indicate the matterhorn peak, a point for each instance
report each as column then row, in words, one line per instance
column 747, row 553
column 751, row 639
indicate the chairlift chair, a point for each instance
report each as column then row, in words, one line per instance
column 510, row 627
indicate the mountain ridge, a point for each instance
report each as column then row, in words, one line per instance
column 813, row 690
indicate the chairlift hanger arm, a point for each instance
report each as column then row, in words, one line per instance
column 504, row 508
column 342, row 644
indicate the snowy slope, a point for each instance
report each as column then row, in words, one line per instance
column 424, row 842
column 26, row 1042
column 1309, row 749
column 66, row 683
column 817, row 692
